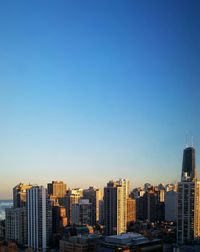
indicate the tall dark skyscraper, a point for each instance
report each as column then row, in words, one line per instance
column 188, row 165
column 188, row 219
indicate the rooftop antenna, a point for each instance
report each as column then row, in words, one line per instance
column 186, row 138
column 192, row 141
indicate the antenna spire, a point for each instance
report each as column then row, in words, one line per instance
column 186, row 138
column 192, row 141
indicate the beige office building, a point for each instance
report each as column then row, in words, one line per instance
column 57, row 189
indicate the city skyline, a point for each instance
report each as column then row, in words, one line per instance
column 97, row 91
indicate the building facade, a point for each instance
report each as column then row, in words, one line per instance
column 131, row 211
column 171, row 205
column 19, row 195
column 16, row 225
column 57, row 189
column 39, row 218
column 188, row 218
column 115, row 206
column 94, row 195
column 72, row 197
column 82, row 213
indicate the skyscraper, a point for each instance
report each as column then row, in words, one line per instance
column 16, row 217
column 57, row 189
column 19, row 195
column 131, row 211
column 82, row 212
column 72, row 197
column 188, row 219
column 188, row 166
column 94, row 195
column 39, row 218
column 115, row 206
column 150, row 202
column 16, row 225
column 59, row 219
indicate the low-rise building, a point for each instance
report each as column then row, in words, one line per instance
column 79, row 243
column 130, row 242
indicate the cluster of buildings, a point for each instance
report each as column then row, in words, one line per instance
column 102, row 220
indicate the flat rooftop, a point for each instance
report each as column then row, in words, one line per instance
column 126, row 238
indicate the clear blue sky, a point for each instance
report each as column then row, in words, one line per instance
column 96, row 90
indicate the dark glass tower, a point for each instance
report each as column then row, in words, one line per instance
column 188, row 163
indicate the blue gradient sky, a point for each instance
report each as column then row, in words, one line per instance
column 95, row 90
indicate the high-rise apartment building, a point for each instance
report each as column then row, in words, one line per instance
column 39, row 218
column 115, row 206
column 57, row 189
column 82, row 213
column 16, row 217
column 94, row 195
column 16, row 225
column 19, row 195
column 188, row 219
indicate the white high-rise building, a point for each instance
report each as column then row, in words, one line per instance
column 115, row 206
column 38, row 218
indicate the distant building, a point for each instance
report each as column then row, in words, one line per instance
column 83, row 243
column 171, row 205
column 59, row 219
column 130, row 242
column 82, row 212
column 188, row 219
column 94, row 195
column 150, row 201
column 72, row 197
column 147, row 186
column 39, row 218
column 151, row 204
column 139, row 208
column 19, row 195
column 75, row 230
column 162, row 195
column 131, row 211
column 16, row 225
column 101, row 212
column 170, row 187
column 115, row 206
column 188, row 165
column 137, row 192
column 57, row 189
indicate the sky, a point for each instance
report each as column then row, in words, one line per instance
column 97, row 90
